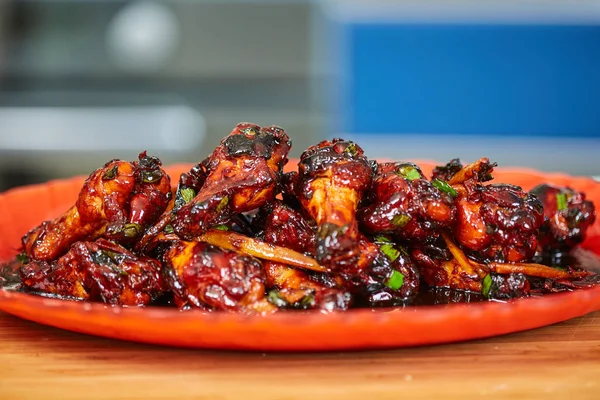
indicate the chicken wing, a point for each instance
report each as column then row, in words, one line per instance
column 568, row 217
column 207, row 277
column 296, row 288
column 243, row 174
column 332, row 178
column 97, row 271
column 117, row 201
column 405, row 204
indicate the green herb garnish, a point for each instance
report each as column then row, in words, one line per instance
column 222, row 204
column 409, row 172
column 381, row 239
column 111, row 173
column 131, row 230
column 390, row 252
column 401, row 220
column 351, row 149
column 274, row 298
column 486, row 286
column 151, row 176
column 187, row 194
column 22, row 258
column 561, row 201
column 444, row 187
column 221, row 227
column 396, row 280
column 307, row 300
column 169, row 229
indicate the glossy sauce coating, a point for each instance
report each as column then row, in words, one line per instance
column 332, row 177
column 243, row 174
column 207, row 277
column 97, row 271
column 405, row 204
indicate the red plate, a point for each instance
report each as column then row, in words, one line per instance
column 23, row 208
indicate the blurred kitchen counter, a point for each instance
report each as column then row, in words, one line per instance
column 554, row 362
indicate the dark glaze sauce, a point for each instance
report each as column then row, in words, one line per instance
column 577, row 259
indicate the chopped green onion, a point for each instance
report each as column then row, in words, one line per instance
column 169, row 229
column 221, row 227
column 561, row 201
column 401, row 220
column 131, row 230
column 307, row 300
column 381, row 239
column 389, row 250
column 274, row 298
column 118, row 270
column 222, row 204
column 110, row 174
column 409, row 172
column 22, row 258
column 396, row 280
column 486, row 286
column 187, row 194
column 444, row 187
column 351, row 149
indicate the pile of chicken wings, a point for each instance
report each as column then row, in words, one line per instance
column 236, row 233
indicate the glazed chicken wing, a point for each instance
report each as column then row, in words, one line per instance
column 495, row 222
column 207, row 277
column 297, row 288
column 189, row 185
column 568, row 216
column 243, row 175
column 97, row 271
column 498, row 222
column 117, row 201
column 405, row 204
column 332, row 178
column 382, row 275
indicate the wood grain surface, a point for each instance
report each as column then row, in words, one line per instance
column 560, row 361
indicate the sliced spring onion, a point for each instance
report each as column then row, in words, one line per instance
column 486, row 286
column 409, row 172
column 187, row 194
column 396, row 280
column 274, row 298
column 401, row 220
column 110, row 174
column 381, row 239
column 444, row 187
column 351, row 149
column 561, row 201
column 132, row 230
column 222, row 204
column 390, row 252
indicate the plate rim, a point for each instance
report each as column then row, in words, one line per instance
column 27, row 306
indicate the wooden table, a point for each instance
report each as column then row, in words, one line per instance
column 560, row 361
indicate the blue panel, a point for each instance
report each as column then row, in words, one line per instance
column 473, row 79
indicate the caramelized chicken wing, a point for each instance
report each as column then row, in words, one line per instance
column 207, row 277
column 568, row 216
column 149, row 198
column 498, row 222
column 296, row 288
column 243, row 174
column 117, row 201
column 405, row 204
column 97, row 271
column 332, row 178
column 189, row 185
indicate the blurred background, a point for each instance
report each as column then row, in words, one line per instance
column 82, row 82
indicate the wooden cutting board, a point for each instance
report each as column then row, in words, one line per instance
column 556, row 362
